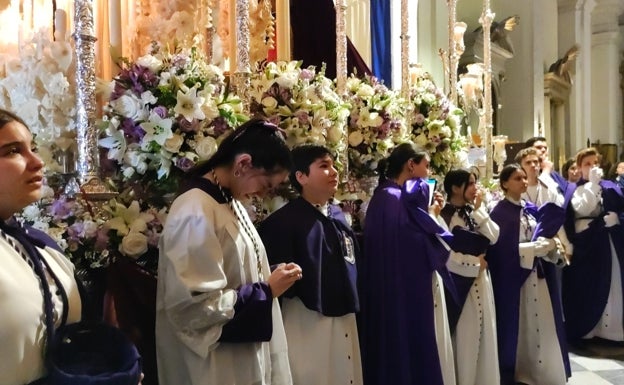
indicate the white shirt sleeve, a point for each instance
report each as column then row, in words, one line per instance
column 487, row 226
column 196, row 297
column 586, row 198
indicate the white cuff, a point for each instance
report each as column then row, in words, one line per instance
column 462, row 264
column 527, row 254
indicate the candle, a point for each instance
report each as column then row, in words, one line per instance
column 60, row 25
column 114, row 28
column 283, row 29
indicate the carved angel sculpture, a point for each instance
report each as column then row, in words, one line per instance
column 563, row 66
column 499, row 32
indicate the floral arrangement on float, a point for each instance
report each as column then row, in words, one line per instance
column 376, row 123
column 302, row 102
column 37, row 86
column 166, row 112
column 435, row 125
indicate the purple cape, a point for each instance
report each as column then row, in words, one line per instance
column 508, row 277
column 300, row 233
column 397, row 330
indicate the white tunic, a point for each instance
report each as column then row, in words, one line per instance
column 322, row 350
column 475, row 341
column 204, row 258
column 22, row 324
column 538, row 354
column 587, row 202
column 442, row 331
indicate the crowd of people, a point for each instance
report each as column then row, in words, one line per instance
column 438, row 289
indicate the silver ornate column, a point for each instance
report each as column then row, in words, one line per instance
column 486, row 21
column 405, row 77
column 341, row 76
column 88, row 163
column 86, row 135
column 240, row 77
column 206, row 8
column 341, row 46
column 452, row 57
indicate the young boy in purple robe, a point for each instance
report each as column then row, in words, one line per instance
column 319, row 310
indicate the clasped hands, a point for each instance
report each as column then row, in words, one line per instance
column 283, row 277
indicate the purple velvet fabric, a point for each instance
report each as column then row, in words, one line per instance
column 397, row 329
column 252, row 320
column 300, row 233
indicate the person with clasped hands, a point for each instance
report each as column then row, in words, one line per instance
column 592, row 284
column 218, row 320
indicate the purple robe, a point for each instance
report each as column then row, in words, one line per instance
column 300, row 233
column 508, row 277
column 587, row 281
column 397, row 330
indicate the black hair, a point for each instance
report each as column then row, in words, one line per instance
column 507, row 172
column 566, row 167
column 391, row 167
column 7, row 117
column 457, row 178
column 302, row 157
column 260, row 139
column 531, row 141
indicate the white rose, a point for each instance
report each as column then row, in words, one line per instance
column 174, row 143
column 128, row 172
column 134, row 244
column 365, row 91
column 205, row 147
column 150, row 62
column 421, row 140
column 269, row 102
column 355, row 138
column 129, row 107
column 211, row 111
column 334, row 134
column 287, row 80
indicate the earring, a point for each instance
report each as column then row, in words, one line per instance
column 237, row 173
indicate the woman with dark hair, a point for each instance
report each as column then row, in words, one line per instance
column 531, row 341
column 31, row 264
column 570, row 171
column 217, row 316
column 404, row 332
column 472, row 317
column 592, row 284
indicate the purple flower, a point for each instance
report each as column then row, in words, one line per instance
column 302, row 116
column 187, row 126
column 76, row 231
column 419, row 119
column 383, row 130
column 161, row 111
column 179, row 61
column 133, row 133
column 61, row 209
column 306, row 74
column 219, row 126
column 184, row 163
